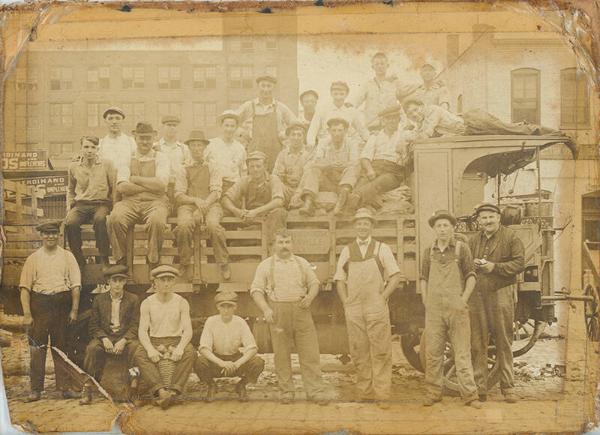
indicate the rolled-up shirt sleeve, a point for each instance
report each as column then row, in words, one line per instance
column 181, row 183
column 390, row 265
column 276, row 187
column 26, row 280
column 467, row 266
column 206, row 339
column 340, row 272
column 368, row 152
column 248, row 340
column 73, row 270
column 425, row 264
column 163, row 168
column 309, row 273
column 259, row 284
column 123, row 173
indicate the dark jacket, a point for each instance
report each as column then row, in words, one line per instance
column 506, row 252
column 128, row 319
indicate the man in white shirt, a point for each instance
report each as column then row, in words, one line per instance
column 165, row 333
column 227, row 349
column 116, row 146
column 308, row 101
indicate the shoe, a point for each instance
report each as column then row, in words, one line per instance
column 34, row 396
column 287, row 398
column 308, row 209
column 68, row 394
column 430, row 401
column 383, row 404
column 483, row 397
column 86, row 395
column 319, row 400
column 225, row 271
column 241, row 391
column 510, row 398
column 168, row 401
column 341, row 202
column 211, row 392
column 474, row 404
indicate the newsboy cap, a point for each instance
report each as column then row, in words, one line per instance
column 339, row 85
column 256, row 155
column 229, row 114
column 167, row 119
column 113, row 109
column 364, row 213
column 266, row 78
column 336, row 121
column 164, row 269
column 441, row 214
column 196, row 136
column 52, row 226
column 144, row 129
column 116, row 270
column 295, row 126
column 487, row 206
column 226, row 297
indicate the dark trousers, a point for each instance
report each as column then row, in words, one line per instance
column 85, row 212
column 479, row 341
column 479, row 122
column 50, row 315
column 95, row 355
column 388, row 176
column 249, row 371
column 150, row 373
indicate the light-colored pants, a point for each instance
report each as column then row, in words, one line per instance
column 316, row 179
column 189, row 217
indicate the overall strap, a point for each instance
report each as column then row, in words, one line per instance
column 378, row 260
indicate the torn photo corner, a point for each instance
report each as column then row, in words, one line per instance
column 230, row 217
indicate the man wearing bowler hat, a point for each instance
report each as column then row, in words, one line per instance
column 366, row 276
column 270, row 118
column 50, row 284
column 142, row 186
column 227, row 349
column 113, row 326
column 447, row 282
column 177, row 152
column 499, row 257
column 116, row 146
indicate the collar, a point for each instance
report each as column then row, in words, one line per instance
column 492, row 236
column 283, row 260
column 451, row 243
column 366, row 242
column 115, row 299
column 96, row 162
column 163, row 143
column 271, row 104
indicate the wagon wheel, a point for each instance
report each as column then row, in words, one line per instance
column 592, row 313
column 410, row 344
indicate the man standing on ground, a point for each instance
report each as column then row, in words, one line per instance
column 116, row 146
column 227, row 349
column 89, row 198
column 50, row 285
column 366, row 276
column 284, row 286
column 499, row 257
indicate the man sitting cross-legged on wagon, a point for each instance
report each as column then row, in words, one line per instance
column 332, row 168
column 227, row 349
column 197, row 194
column 165, row 357
column 113, row 327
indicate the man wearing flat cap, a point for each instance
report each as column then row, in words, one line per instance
column 50, row 284
column 382, row 161
column 308, row 101
column 198, row 194
column 270, row 118
column 116, row 146
column 333, row 167
column 366, row 276
column 227, row 349
column 113, row 327
column 337, row 108
column 447, row 282
column 142, row 186
column 177, row 152
column 499, row 257
column 165, row 333
column 290, row 163
column 258, row 195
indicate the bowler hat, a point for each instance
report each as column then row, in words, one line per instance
column 226, row 297
column 116, row 270
column 170, row 119
column 144, row 129
column 487, row 206
column 52, row 226
column 442, row 214
column 335, row 121
column 164, row 269
column 196, row 136
column 113, row 109
column 364, row 213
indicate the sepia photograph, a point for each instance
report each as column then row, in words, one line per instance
column 370, row 218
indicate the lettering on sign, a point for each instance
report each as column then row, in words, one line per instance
column 24, row 160
column 48, row 186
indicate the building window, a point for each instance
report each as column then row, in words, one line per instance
column 205, row 115
column 135, row 112
column 169, row 77
column 94, row 113
column 61, row 78
column 27, row 121
column 26, row 79
column 133, row 77
column 271, row 44
column 60, row 148
column 574, row 99
column 169, row 109
column 525, row 102
column 205, row 77
column 98, row 78
column 241, row 77
column 246, row 44
column 61, row 115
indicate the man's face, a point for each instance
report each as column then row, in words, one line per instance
column 489, row 221
column 256, row 168
column 265, row 89
column 296, row 138
column 197, row 148
column 363, row 228
column 283, row 246
column 117, row 284
column 414, row 112
column 144, row 142
column 427, row 73
column 380, row 65
column 50, row 238
column 170, row 130
column 226, row 310
column 443, row 229
column 114, row 122
column 339, row 95
column 309, row 103
column 89, row 150
column 391, row 122
column 229, row 126
column 164, row 283
column 337, row 132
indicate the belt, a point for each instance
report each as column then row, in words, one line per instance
column 49, row 294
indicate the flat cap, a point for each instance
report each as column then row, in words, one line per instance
column 487, row 206
column 337, row 121
column 364, row 213
column 339, row 85
column 113, row 109
column 394, row 110
column 164, row 269
column 196, row 136
column 266, row 78
column 295, row 126
column 226, row 297
column 168, row 119
column 256, row 155
column 116, row 270
column 428, row 65
column 229, row 114
column 52, row 226
column 144, row 129
column 309, row 92
column 441, row 214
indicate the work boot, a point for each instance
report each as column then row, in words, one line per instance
column 86, row 395
column 240, row 389
column 211, row 392
column 34, row 396
column 225, row 271
column 430, row 401
column 286, row 398
column 483, row 397
column 474, row 404
column 308, row 209
column 510, row 397
column 341, row 202
column 352, row 203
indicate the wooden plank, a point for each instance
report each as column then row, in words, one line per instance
column 377, row 232
column 20, row 209
column 17, row 253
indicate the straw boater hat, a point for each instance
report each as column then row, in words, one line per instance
column 364, row 213
column 266, row 78
column 229, row 114
column 338, row 120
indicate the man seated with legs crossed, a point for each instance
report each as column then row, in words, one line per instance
column 227, row 349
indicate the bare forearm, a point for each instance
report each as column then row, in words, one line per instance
column 149, row 183
column 313, row 291
column 75, row 295
column 145, row 340
column 469, row 286
column 26, row 301
column 272, row 205
column 209, row 355
column 246, row 357
column 230, row 206
column 183, row 199
column 127, row 188
column 342, row 291
column 186, row 337
column 260, row 300
column 392, row 285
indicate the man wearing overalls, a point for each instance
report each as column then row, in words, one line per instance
column 447, row 281
column 143, row 186
column 270, row 118
column 367, row 274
